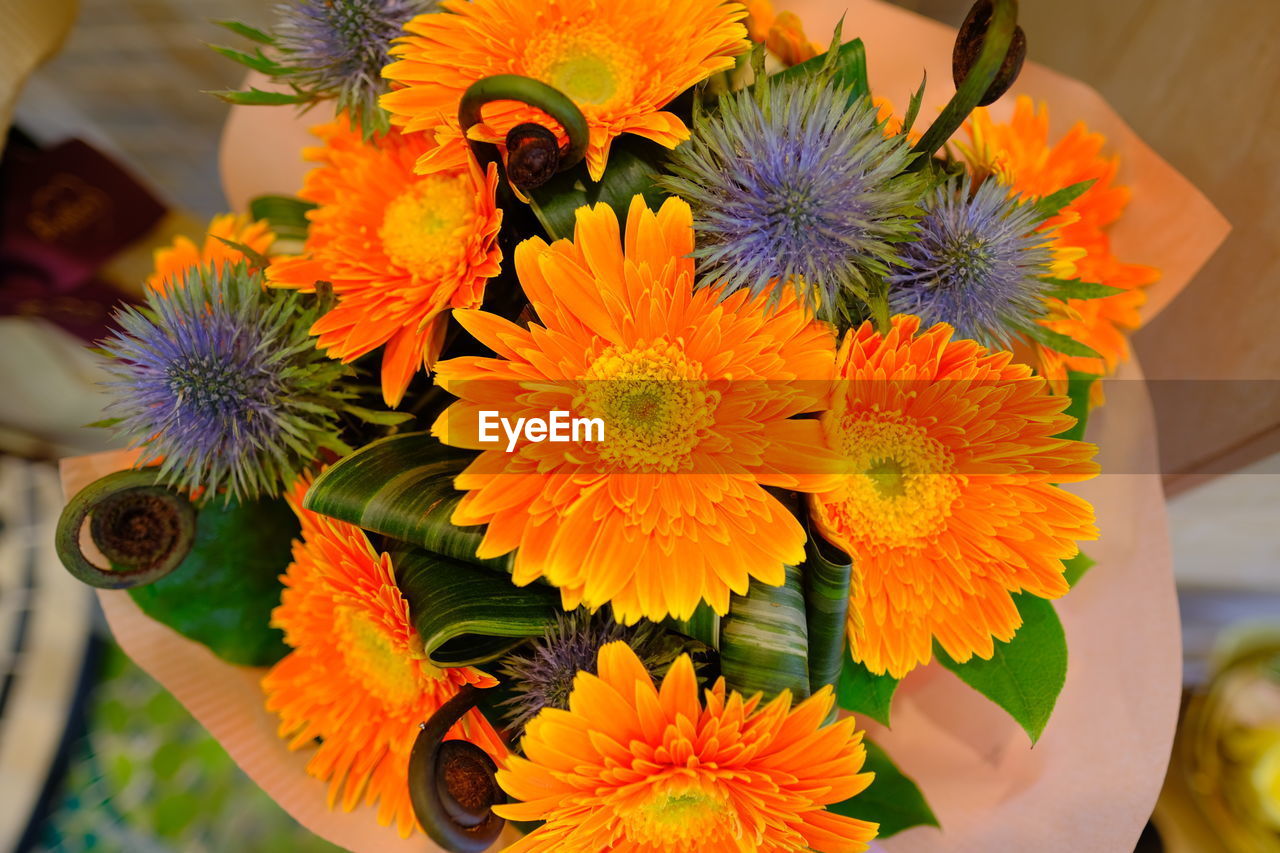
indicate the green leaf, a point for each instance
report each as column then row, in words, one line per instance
column 257, row 60
column 634, row 164
column 256, row 97
column 224, row 591
column 913, row 107
column 703, row 626
column 764, row 640
column 247, row 31
column 1075, row 568
column 862, row 692
column 466, row 614
column 1052, row 204
column 402, row 487
column 381, row 418
column 1026, row 674
column 849, row 69
column 827, row 573
column 286, row 215
column 1079, row 387
column 252, row 255
column 1076, row 289
column 1059, row 342
column 894, row 801
column 104, row 423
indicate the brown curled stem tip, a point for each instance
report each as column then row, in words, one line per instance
column 145, row 530
column 533, row 156
column 969, row 45
column 535, row 93
column 453, row 784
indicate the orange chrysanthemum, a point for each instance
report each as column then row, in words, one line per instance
column 172, row 261
column 357, row 677
column 1020, row 155
column 630, row 767
column 621, row 63
column 952, row 506
column 400, row 249
column 695, row 390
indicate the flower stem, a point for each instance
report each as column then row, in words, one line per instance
column 535, row 93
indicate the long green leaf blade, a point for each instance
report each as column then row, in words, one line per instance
column 764, row 644
column 1026, row 674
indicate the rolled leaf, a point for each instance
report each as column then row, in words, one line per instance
column 764, row 643
column 827, row 573
column 1026, row 674
column 466, row 614
column 1079, row 387
column 402, row 487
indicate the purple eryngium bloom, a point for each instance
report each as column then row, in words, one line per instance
column 542, row 675
column 339, row 48
column 219, row 377
column 797, row 184
column 976, row 264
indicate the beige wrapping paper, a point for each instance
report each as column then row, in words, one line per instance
column 1092, row 780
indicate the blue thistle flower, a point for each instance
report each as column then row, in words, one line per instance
column 796, row 183
column 338, row 48
column 976, row 264
column 219, row 377
column 541, row 675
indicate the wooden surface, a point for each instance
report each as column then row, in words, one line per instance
column 1200, row 82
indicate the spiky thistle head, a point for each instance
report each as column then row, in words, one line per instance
column 797, row 182
column 977, row 264
column 338, row 48
column 541, row 675
column 219, row 378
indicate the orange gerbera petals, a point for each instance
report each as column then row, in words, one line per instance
column 357, row 677
column 1020, row 155
column 172, row 261
column 952, row 504
column 696, row 391
column 619, row 62
column 631, row 767
column 400, row 249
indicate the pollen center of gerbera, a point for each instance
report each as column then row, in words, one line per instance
column 369, row 653
column 905, row 485
column 678, row 819
column 654, row 402
column 587, row 66
column 424, row 229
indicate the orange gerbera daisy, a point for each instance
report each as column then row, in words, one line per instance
column 400, row 249
column 782, row 33
column 172, row 261
column 1020, row 155
column 619, row 62
column 357, row 677
column 630, row 767
column 669, row 509
column 953, row 505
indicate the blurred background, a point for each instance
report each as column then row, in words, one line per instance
column 111, row 134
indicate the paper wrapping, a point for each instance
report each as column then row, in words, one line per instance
column 1091, row 781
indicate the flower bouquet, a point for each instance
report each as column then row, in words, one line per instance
column 630, row 403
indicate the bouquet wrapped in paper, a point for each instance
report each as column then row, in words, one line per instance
column 640, row 426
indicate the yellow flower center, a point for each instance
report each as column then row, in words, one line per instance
column 386, row 671
column 424, row 228
column 906, row 483
column 586, row 65
column 654, row 402
column 678, row 819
